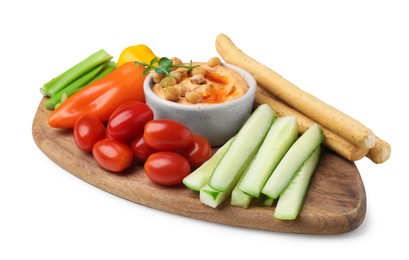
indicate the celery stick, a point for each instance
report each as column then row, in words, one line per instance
column 299, row 152
column 291, row 199
column 280, row 137
column 200, row 177
column 56, row 84
column 69, row 91
column 111, row 66
column 246, row 142
column 66, row 92
column 73, row 86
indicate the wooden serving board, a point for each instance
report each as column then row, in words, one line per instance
column 335, row 202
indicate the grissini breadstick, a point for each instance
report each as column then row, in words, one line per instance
column 331, row 140
column 319, row 111
column 381, row 152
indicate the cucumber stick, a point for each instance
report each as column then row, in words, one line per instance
column 282, row 134
column 290, row 201
column 295, row 157
column 238, row 197
column 200, row 177
column 246, row 142
column 213, row 198
column 267, row 201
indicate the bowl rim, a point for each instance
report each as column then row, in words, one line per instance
column 251, row 84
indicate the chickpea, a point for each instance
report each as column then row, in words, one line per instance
column 206, row 90
column 171, row 93
column 168, row 81
column 182, row 89
column 176, row 61
column 176, row 74
column 198, row 79
column 156, row 77
column 193, row 97
column 213, row 62
column 198, row 70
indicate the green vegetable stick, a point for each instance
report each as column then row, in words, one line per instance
column 246, row 142
column 298, row 153
column 267, row 201
column 67, row 92
column 239, row 198
column 200, row 177
column 106, row 70
column 213, row 198
column 56, row 84
column 291, row 199
column 73, row 86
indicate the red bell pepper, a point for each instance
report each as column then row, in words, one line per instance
column 101, row 97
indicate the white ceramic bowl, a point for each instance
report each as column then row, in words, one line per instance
column 216, row 122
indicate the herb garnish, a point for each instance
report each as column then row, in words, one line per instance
column 165, row 66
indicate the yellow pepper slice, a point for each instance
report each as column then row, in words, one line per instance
column 140, row 52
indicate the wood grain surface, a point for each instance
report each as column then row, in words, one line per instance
column 335, row 202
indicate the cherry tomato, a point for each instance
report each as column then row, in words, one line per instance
column 198, row 152
column 112, row 154
column 167, row 168
column 88, row 130
column 141, row 150
column 167, row 135
column 128, row 120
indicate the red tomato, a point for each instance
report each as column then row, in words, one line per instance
column 112, row 155
column 198, row 152
column 88, row 130
column 141, row 150
column 167, row 135
column 167, row 168
column 128, row 120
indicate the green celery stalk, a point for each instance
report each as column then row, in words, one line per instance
column 66, row 93
column 58, row 83
column 74, row 86
column 110, row 66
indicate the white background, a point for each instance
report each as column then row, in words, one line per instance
column 352, row 54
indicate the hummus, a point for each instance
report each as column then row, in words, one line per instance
column 207, row 83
